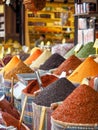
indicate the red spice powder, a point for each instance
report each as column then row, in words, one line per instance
column 7, row 107
column 68, row 65
column 81, row 106
column 11, row 121
column 34, row 86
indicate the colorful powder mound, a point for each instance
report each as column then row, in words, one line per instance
column 52, row 62
column 11, row 64
column 81, row 106
column 55, row 92
column 34, row 56
column 34, row 86
column 86, row 69
column 86, row 50
column 68, row 65
column 8, row 107
column 23, row 56
column 41, row 59
column 18, row 69
column 11, row 121
column 70, row 53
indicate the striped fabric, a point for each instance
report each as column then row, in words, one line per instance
column 55, row 125
column 28, row 112
column 17, row 104
column 81, row 128
column 6, row 89
column 37, row 111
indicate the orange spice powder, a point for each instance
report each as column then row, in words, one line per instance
column 21, row 67
column 11, row 64
column 34, row 56
column 86, row 69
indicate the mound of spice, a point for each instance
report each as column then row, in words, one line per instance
column 55, row 92
column 86, row 50
column 52, row 62
column 81, row 106
column 70, row 53
column 41, row 59
column 11, row 121
column 23, row 56
column 68, row 65
column 86, row 69
column 7, row 107
column 5, row 60
column 34, row 86
column 18, row 69
column 11, row 64
column 34, row 49
column 34, row 56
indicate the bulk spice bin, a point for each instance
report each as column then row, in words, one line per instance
column 55, row 92
column 41, row 117
column 7, row 122
column 29, row 93
column 6, row 68
column 9, row 116
column 68, row 66
column 15, row 66
column 79, row 111
column 52, row 62
column 41, row 59
column 57, row 125
column 87, row 68
column 20, row 67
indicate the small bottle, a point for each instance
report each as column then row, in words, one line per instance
column 79, row 7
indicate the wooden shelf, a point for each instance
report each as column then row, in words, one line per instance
column 55, row 26
column 92, row 12
column 36, row 24
column 87, row 14
column 43, row 19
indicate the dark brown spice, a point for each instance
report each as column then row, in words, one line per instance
column 55, row 92
column 81, row 106
column 23, row 56
column 7, row 58
column 52, row 62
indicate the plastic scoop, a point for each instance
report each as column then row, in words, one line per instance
column 38, row 79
